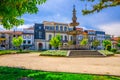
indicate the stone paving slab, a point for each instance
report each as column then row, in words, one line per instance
column 102, row 65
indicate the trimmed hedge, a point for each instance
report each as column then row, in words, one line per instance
column 53, row 53
column 114, row 50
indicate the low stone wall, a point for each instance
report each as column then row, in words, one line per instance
column 77, row 53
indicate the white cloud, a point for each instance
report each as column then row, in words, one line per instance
column 1, row 27
column 20, row 28
column 52, row 5
column 111, row 28
column 57, row 18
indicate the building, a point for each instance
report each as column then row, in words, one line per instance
column 45, row 31
column 108, row 37
column 39, row 36
column 28, row 38
column 91, row 36
column 100, row 36
column 115, row 41
column 6, row 38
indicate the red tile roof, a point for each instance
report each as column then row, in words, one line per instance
column 11, row 32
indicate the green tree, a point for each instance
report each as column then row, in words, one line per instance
column 95, row 44
column 70, row 42
column 100, row 4
column 17, row 42
column 118, row 40
column 84, row 42
column 107, row 44
column 55, row 41
column 12, row 10
column 118, row 44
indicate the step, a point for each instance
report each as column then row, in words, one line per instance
column 84, row 53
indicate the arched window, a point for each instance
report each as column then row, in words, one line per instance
column 65, row 38
column 57, row 28
column 65, row 28
column 61, row 37
column 71, row 38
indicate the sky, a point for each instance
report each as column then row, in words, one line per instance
column 107, row 20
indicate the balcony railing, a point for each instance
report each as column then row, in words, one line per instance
column 2, row 36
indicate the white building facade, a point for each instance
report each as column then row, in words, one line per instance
column 47, row 30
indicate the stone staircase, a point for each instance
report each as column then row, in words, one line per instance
column 84, row 53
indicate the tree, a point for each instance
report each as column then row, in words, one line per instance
column 118, row 44
column 118, row 40
column 12, row 10
column 84, row 42
column 17, row 42
column 107, row 44
column 100, row 5
column 70, row 42
column 95, row 44
column 55, row 41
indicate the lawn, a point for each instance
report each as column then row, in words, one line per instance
column 9, row 73
column 106, row 52
column 53, row 53
column 3, row 52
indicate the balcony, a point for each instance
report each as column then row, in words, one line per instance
column 2, row 36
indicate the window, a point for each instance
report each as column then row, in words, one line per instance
column 13, row 35
column 40, row 34
column 28, row 36
column 3, row 36
column 61, row 38
column 71, row 38
column 29, row 42
column 65, row 28
column 50, row 28
column 53, row 27
column 40, row 27
column 24, row 36
column 61, row 28
column 65, row 38
column 24, row 42
column 47, row 27
column 50, row 36
column 57, row 28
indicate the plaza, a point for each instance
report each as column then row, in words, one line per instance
column 91, row 65
column 59, row 40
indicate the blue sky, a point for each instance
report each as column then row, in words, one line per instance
column 107, row 20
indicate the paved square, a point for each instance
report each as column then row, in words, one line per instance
column 94, row 65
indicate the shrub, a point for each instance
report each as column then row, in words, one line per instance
column 118, row 52
column 108, row 47
column 23, row 51
column 114, row 50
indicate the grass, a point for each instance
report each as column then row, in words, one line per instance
column 53, row 53
column 106, row 52
column 10, row 73
column 3, row 52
